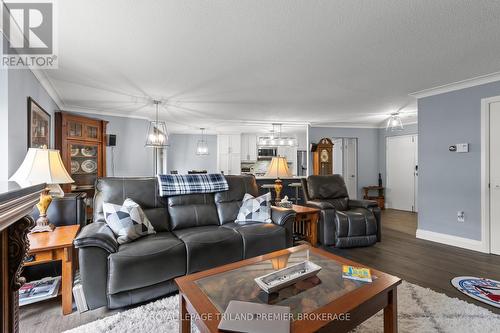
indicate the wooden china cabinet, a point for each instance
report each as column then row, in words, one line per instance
column 82, row 143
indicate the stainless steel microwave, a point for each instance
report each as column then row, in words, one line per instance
column 267, row 153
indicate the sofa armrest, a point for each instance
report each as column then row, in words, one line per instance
column 362, row 203
column 284, row 217
column 320, row 204
column 97, row 234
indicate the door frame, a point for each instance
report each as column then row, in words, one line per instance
column 415, row 180
column 485, row 172
column 358, row 192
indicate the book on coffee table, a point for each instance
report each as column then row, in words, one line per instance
column 255, row 318
column 356, row 273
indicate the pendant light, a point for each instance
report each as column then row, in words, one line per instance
column 277, row 139
column 202, row 146
column 394, row 123
column 157, row 131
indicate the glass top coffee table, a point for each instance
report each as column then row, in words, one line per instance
column 325, row 301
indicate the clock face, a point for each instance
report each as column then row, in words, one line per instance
column 324, row 156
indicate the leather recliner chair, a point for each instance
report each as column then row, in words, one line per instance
column 343, row 222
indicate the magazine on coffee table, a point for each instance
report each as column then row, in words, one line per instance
column 39, row 290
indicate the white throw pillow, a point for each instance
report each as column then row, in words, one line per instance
column 255, row 209
column 127, row 221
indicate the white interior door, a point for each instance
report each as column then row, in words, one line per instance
column 494, row 154
column 338, row 159
column 351, row 166
column 401, row 161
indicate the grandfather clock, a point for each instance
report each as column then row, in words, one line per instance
column 323, row 157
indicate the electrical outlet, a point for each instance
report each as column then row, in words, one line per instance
column 461, row 216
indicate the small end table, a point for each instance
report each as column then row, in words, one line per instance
column 53, row 246
column 306, row 223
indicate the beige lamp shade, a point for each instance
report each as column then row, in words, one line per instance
column 42, row 166
column 278, row 168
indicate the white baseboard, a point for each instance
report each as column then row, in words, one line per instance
column 465, row 243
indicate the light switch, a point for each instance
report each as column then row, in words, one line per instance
column 462, row 147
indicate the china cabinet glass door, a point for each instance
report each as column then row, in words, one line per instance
column 84, row 166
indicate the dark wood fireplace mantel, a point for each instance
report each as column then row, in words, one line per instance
column 15, row 204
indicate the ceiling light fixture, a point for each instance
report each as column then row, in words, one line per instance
column 394, row 123
column 202, row 146
column 157, row 131
column 277, row 139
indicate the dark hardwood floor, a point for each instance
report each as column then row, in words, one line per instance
column 422, row 262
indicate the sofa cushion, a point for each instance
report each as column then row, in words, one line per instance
column 255, row 209
column 142, row 190
column 192, row 210
column 326, row 187
column 127, row 221
column 146, row 261
column 210, row 246
column 229, row 202
column 259, row 238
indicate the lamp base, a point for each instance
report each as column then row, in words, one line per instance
column 43, row 225
column 278, row 186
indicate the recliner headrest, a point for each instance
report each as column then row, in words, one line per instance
column 326, row 187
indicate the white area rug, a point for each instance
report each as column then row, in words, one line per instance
column 419, row 310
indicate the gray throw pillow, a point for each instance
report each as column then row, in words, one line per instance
column 127, row 221
column 255, row 209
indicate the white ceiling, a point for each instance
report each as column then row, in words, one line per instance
column 217, row 64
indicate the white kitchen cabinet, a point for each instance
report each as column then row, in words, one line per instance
column 229, row 153
column 290, row 153
column 249, row 147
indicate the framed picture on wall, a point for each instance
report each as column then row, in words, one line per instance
column 39, row 126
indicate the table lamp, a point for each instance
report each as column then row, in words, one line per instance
column 279, row 169
column 43, row 166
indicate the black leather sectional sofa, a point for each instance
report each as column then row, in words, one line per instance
column 193, row 233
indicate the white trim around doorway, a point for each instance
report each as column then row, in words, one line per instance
column 485, row 172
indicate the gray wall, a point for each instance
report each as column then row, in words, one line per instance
column 21, row 84
column 382, row 135
column 449, row 182
column 4, row 120
column 181, row 153
column 368, row 152
column 131, row 157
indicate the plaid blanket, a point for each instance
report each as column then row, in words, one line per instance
column 189, row 184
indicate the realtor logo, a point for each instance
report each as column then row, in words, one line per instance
column 28, row 34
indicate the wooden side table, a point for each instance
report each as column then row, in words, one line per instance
column 53, row 246
column 379, row 198
column 306, row 223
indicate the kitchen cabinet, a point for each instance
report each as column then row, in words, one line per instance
column 229, row 153
column 290, row 153
column 249, row 147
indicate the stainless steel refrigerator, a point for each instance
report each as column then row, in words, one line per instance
column 301, row 163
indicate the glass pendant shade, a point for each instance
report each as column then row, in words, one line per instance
column 394, row 123
column 157, row 136
column 202, row 145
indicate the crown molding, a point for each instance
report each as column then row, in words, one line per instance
column 472, row 82
column 97, row 112
column 45, row 82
